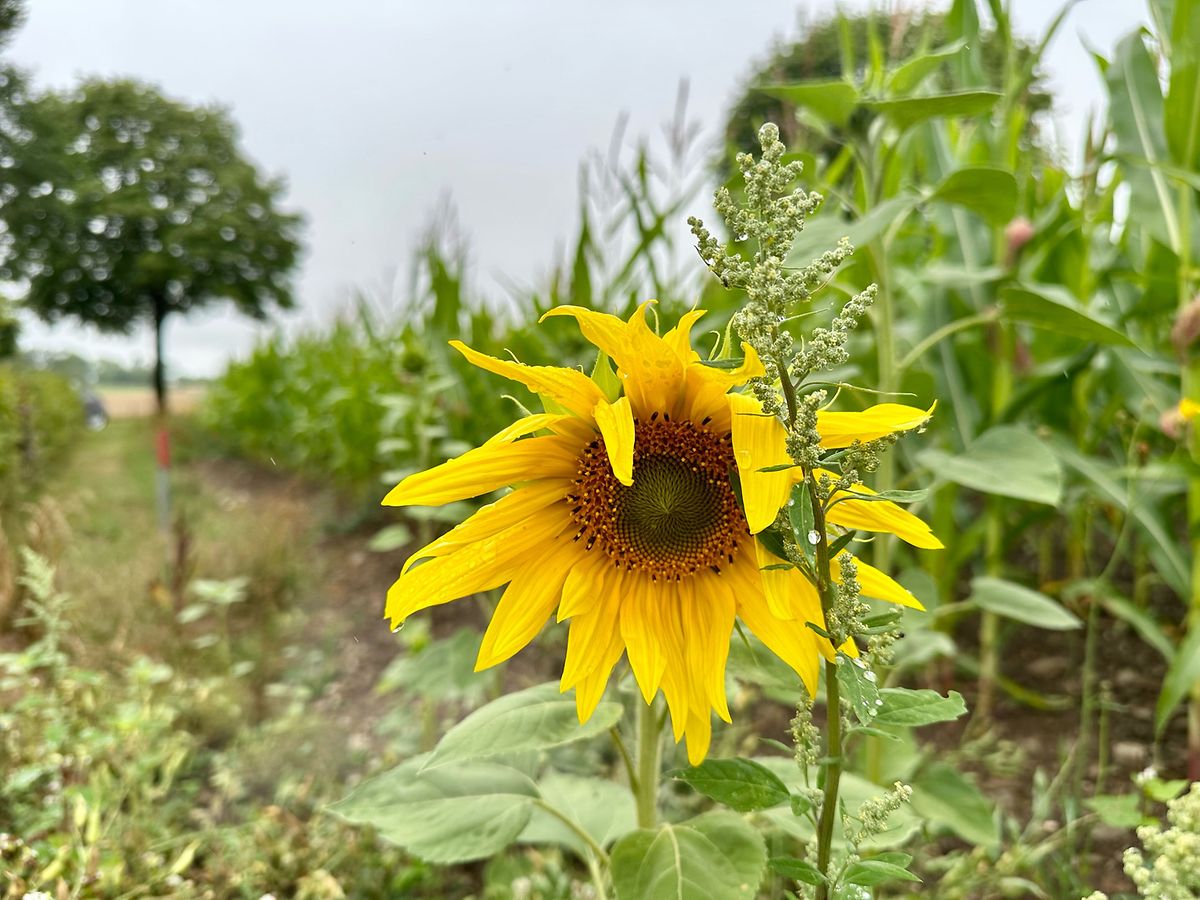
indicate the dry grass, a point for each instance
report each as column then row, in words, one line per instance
column 137, row 402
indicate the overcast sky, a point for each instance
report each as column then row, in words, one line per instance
column 375, row 109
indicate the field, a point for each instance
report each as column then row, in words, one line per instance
column 129, row 402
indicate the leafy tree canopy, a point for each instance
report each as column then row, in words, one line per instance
column 120, row 204
column 841, row 46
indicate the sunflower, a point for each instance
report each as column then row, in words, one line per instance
column 625, row 522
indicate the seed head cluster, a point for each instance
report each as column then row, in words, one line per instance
column 680, row 515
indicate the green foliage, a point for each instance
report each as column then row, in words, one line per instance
column 716, row 855
column 121, row 204
column 41, row 418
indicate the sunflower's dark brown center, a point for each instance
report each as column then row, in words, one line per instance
column 679, row 516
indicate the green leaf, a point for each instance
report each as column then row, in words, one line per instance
column 1053, row 310
column 988, row 191
column 796, row 869
column 1142, row 622
column 910, row 74
column 910, row 708
column 911, row 111
column 536, row 718
column 716, row 856
column 1181, row 106
column 832, row 101
column 601, row 808
column 740, row 784
column 859, row 684
column 870, row 872
column 1136, row 113
column 800, row 517
column 1162, row 547
column 605, row 378
column 440, row 670
column 823, row 233
column 1182, row 674
column 393, row 537
column 1014, row 601
column 448, row 816
column 945, row 797
column 1117, row 810
column 1007, row 460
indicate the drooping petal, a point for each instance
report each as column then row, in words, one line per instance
column 708, row 613
column 841, row 429
column 874, row 583
column 790, row 595
column 879, row 516
column 475, row 567
column 791, row 640
column 615, row 421
column 526, row 604
column 586, row 585
column 677, row 684
column 650, row 370
column 504, row 513
column 699, row 735
column 591, row 687
column 486, row 468
column 759, row 443
column 570, row 387
column 641, row 630
column 593, row 629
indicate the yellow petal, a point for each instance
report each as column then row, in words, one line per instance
column 874, row 583
column 680, row 337
column 569, row 387
column 1188, row 409
column 475, row 567
column 591, row 576
column 593, row 630
column 699, row 736
column 591, row 687
column 504, row 513
column 789, row 594
column 708, row 615
column 758, row 443
column 486, row 468
column 677, row 684
column 640, row 629
column 650, row 370
column 528, row 425
column 526, row 603
column 841, row 429
column 790, row 640
column 615, row 421
column 880, row 516
column 707, row 387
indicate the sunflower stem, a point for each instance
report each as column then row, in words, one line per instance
column 833, row 700
column 833, row 775
column 649, row 749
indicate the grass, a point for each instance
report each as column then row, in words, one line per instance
column 214, row 732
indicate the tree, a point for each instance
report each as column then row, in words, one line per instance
column 121, row 206
column 833, row 48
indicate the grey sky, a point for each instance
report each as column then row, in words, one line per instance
column 373, row 110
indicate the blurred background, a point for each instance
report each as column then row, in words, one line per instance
column 235, row 240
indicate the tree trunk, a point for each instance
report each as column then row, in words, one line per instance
column 160, row 379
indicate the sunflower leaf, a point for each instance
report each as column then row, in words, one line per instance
column 716, row 856
column 859, row 684
column 471, row 812
column 537, row 718
column 741, row 784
